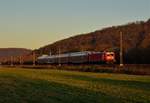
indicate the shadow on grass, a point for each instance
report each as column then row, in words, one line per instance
column 15, row 89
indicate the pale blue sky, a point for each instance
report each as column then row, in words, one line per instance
column 35, row 23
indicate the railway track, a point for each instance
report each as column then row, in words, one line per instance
column 138, row 69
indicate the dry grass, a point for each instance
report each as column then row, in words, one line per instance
column 55, row 86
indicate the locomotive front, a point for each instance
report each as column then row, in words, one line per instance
column 109, row 57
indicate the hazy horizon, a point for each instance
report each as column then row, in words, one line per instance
column 35, row 23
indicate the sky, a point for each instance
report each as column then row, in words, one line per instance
column 34, row 23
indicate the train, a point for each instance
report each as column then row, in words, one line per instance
column 85, row 57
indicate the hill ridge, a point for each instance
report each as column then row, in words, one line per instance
column 136, row 35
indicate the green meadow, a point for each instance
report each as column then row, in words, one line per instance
column 19, row 85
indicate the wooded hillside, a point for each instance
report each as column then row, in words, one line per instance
column 136, row 42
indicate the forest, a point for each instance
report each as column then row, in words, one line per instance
column 136, row 42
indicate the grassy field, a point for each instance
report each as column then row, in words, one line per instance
column 55, row 86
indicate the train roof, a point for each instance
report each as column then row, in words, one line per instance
column 43, row 56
